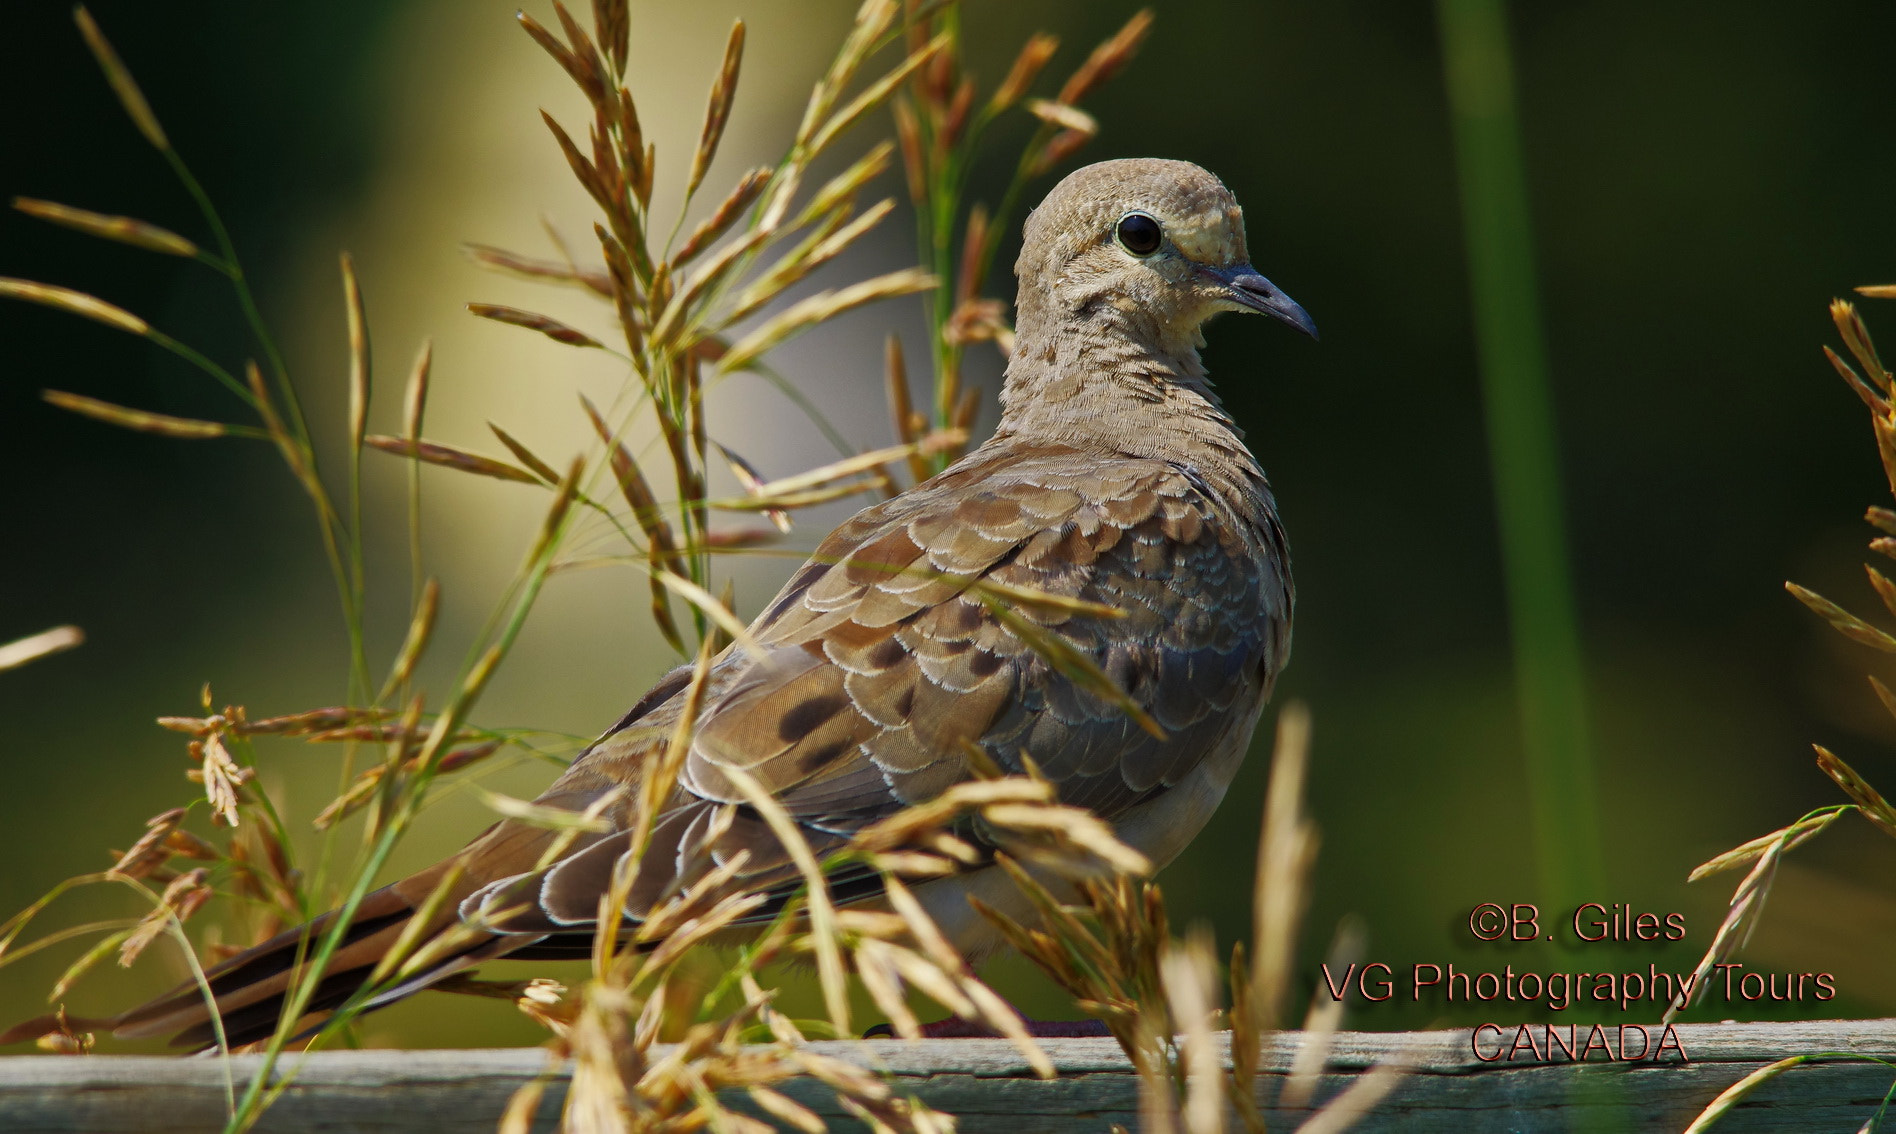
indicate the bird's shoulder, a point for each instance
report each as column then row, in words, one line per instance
column 1041, row 516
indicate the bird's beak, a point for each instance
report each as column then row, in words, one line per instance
column 1244, row 287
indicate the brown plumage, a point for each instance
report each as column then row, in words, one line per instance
column 1114, row 477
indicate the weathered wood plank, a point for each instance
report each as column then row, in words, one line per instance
column 985, row 1083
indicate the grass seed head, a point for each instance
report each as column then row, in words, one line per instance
column 36, row 646
column 141, row 421
column 554, row 271
column 359, row 373
column 125, row 230
column 821, row 307
column 1033, row 58
column 526, row 456
column 150, row 851
column 718, row 112
column 130, row 97
column 1108, row 59
column 450, row 457
column 74, row 303
column 741, row 197
column 1870, row 801
column 185, row 895
column 222, row 778
column 552, row 328
column 1857, row 337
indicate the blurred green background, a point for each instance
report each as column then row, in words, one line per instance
column 1701, row 185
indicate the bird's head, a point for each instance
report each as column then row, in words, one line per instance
column 1161, row 242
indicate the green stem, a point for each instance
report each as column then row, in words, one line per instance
column 802, row 402
column 348, row 569
column 192, row 356
column 233, row 268
column 257, row 1095
column 1549, row 676
column 945, row 203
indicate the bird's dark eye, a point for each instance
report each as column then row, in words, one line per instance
column 1139, row 234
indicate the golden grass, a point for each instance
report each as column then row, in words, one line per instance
column 684, row 313
column 1763, row 853
column 44, row 644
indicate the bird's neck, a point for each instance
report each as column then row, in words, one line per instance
column 1110, row 380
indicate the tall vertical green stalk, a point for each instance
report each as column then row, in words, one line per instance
column 1549, row 678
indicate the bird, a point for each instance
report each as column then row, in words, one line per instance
column 1115, row 476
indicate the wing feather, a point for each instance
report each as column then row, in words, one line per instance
column 885, row 660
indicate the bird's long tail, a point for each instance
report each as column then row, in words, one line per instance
column 252, row 988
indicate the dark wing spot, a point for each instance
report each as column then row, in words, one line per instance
column 802, row 720
column 887, row 653
column 984, row 664
column 969, row 616
column 817, row 759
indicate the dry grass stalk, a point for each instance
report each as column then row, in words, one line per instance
column 1792, row 836
column 222, row 778
column 125, row 230
column 450, row 457
column 141, row 421
column 150, row 851
column 828, row 482
column 74, row 303
column 44, row 644
column 1741, row 916
column 530, row 267
column 552, row 328
column 1870, row 802
column 184, row 896
column 713, row 609
column 537, row 815
column 1062, row 115
column 822, row 307
column 541, row 469
column 719, row 111
column 415, row 398
column 1321, row 1023
column 1849, row 625
column 741, row 197
column 1114, row 952
column 415, row 643
column 1747, row 901
column 133, row 99
column 359, row 372
column 1189, row 975
column 1071, row 663
column 940, row 128
column 1286, row 852
column 822, row 912
column 748, row 476
column 676, row 313
column 1733, row 1095
column 1357, row 1101
column 1034, row 56
column 909, row 426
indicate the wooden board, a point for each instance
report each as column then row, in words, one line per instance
column 986, row 1085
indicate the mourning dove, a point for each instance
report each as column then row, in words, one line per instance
column 1114, row 477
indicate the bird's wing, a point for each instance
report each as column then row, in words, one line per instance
column 912, row 631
